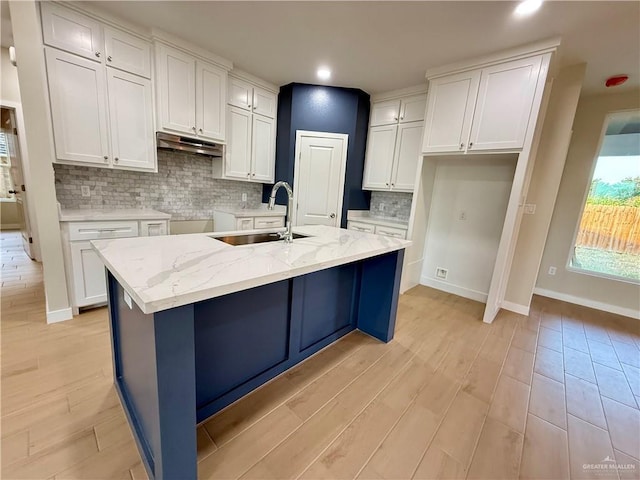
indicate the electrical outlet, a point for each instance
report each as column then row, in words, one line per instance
column 382, row 207
column 462, row 216
column 86, row 191
column 529, row 208
column 244, row 197
column 441, row 272
column 552, row 270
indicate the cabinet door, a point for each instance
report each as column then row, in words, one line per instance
column 264, row 102
column 407, row 153
column 176, row 91
column 263, row 149
column 211, row 92
column 450, row 105
column 244, row 223
column 240, row 93
column 238, row 161
column 78, row 108
column 153, row 228
column 412, row 108
column 131, row 119
column 379, row 157
column 505, row 99
column 385, row 113
column 126, row 52
column 71, row 31
column 89, row 284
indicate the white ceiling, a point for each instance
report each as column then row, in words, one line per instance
column 380, row 46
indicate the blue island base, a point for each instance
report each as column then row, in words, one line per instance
column 175, row 368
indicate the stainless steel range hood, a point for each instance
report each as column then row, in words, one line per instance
column 184, row 144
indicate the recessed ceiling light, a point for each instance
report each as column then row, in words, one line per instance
column 528, row 7
column 324, row 73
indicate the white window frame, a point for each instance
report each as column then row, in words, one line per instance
column 594, row 162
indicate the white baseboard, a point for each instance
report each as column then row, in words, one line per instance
column 55, row 316
column 585, row 302
column 411, row 275
column 10, row 226
column 515, row 307
column 455, row 289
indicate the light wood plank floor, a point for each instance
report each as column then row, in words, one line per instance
column 547, row 396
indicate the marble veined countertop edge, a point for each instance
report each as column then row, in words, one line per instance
column 107, row 214
column 164, row 272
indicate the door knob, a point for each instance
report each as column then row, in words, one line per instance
column 333, row 215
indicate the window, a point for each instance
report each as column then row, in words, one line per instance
column 6, row 183
column 608, row 238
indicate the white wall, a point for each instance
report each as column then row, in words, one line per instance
column 612, row 295
column 9, row 89
column 544, row 185
column 39, row 140
column 475, row 187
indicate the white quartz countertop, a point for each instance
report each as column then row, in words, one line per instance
column 90, row 215
column 278, row 211
column 170, row 271
column 366, row 217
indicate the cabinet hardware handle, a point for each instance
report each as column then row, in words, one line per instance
column 248, row 106
column 387, row 184
column 248, row 174
column 401, row 118
column 200, row 130
column 253, row 174
column 193, row 128
column 395, row 118
column 393, row 184
column 116, row 159
column 461, row 146
column 105, row 158
column 333, row 215
column 470, row 144
column 98, row 54
column 109, row 58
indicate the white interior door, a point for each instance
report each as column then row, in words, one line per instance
column 321, row 160
column 9, row 129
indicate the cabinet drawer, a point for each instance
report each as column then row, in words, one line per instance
column 96, row 230
column 268, row 222
column 244, row 224
column 152, row 228
column 391, row 231
column 361, row 227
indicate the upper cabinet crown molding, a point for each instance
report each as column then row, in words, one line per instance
column 403, row 92
column 247, row 77
column 545, row 46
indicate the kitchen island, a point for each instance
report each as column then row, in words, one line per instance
column 197, row 323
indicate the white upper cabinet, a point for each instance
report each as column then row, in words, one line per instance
column 211, row 92
column 483, row 109
column 379, row 158
column 176, row 86
column 505, row 99
column 406, row 155
column 385, row 113
column 394, row 140
column 71, row 31
column 130, row 113
column 251, row 131
column 127, row 52
column 243, row 94
column 412, row 108
column 191, row 95
column 449, row 112
column 263, row 149
column 238, row 153
column 78, row 108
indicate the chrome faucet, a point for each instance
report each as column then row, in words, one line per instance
column 288, row 235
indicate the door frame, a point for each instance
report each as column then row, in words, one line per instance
column 29, row 213
column 343, row 168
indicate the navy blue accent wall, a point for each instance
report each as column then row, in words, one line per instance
column 323, row 109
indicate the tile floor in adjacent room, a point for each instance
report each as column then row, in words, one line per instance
column 553, row 395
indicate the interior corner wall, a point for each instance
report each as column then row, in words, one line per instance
column 323, row 109
column 465, row 221
column 544, row 185
column 607, row 294
column 39, row 139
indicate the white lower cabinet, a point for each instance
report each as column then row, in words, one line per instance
column 230, row 220
column 85, row 271
column 370, row 226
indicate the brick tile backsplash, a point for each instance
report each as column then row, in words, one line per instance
column 397, row 205
column 183, row 187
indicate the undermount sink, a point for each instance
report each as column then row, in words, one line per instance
column 253, row 238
